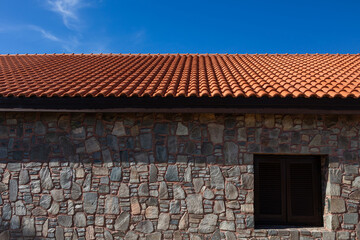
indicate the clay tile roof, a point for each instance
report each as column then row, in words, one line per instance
column 199, row 75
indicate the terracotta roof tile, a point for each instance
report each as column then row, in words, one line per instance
column 225, row 75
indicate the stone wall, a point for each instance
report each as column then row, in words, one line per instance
column 164, row 176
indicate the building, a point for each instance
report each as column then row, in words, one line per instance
column 179, row 146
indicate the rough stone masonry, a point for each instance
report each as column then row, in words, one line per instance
column 164, row 176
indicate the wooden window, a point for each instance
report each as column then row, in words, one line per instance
column 287, row 190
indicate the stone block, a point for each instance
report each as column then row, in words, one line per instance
column 182, row 130
column 112, row 205
column 90, row 202
column 28, row 227
column 161, row 153
column 80, row 220
column 152, row 212
column 145, row 226
column 287, row 123
column 208, row 223
column 250, row 120
column 172, row 173
column 163, row 191
column 66, row 178
column 153, row 236
column 100, row 171
column 184, row 221
column 59, row 233
column 45, row 178
column 219, row 206
column 231, row 153
column 194, row 203
column 198, row 184
column 163, row 222
column 39, row 211
column 24, row 177
column 76, row 191
column 178, row 192
column 122, row 222
column 247, row 181
column 143, row 190
column 329, row 235
column 92, row 145
column 216, row 132
column 13, row 190
column 119, row 129
column 332, row 189
column 227, row 226
column 216, row 178
column 14, row 223
column 64, row 220
column 337, row 205
column 231, row 191
column 342, row 235
column 45, row 201
column 57, row 195
column 351, row 218
column 332, row 222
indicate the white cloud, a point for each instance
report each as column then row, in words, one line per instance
column 17, row 28
column 68, row 10
column 44, row 33
column 68, row 44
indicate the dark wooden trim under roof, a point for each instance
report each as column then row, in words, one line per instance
column 183, row 104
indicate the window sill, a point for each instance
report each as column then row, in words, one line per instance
column 288, row 227
column 293, row 231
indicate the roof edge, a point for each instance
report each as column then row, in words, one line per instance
column 183, row 104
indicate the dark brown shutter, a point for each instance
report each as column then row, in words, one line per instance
column 287, row 190
column 303, row 191
column 269, row 187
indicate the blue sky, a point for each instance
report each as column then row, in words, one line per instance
column 151, row 26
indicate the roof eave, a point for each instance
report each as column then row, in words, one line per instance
column 183, row 104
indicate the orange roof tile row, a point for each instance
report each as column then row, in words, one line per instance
column 234, row 75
